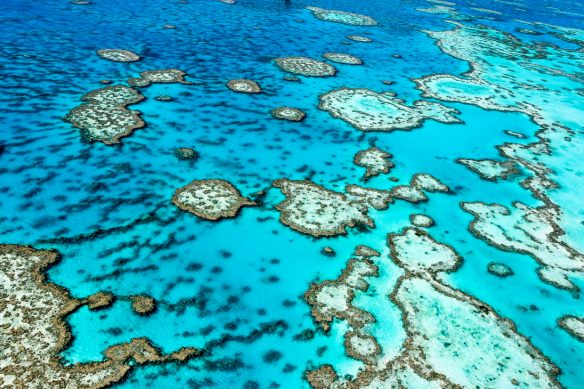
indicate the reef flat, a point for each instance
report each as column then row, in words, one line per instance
column 367, row 110
column 118, row 55
column 104, row 117
column 210, row 199
column 453, row 339
column 166, row 76
column 288, row 113
column 33, row 330
column 489, row 169
column 244, row 86
column 343, row 58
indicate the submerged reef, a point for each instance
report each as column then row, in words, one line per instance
column 210, row 199
column 305, row 66
column 530, row 231
column 185, row 153
column 343, row 58
column 358, row 38
column 34, row 331
column 421, row 220
column 367, row 110
column 118, row 55
column 166, row 76
column 499, row 269
column 574, row 325
column 375, row 160
column 244, row 86
column 163, row 98
column 489, row 169
column 342, row 17
column 104, row 117
column 287, row 113
column 453, row 340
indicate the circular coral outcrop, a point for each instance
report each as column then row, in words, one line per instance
column 343, row 58
column 117, row 55
column 244, row 86
column 288, row 113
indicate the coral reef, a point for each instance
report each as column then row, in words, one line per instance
column 452, row 340
column 33, row 330
column 367, row 110
column 414, row 192
column 118, row 55
column 343, row 58
column 530, row 231
column 574, row 325
column 499, row 269
column 314, row 210
column 305, row 66
column 358, row 38
column 489, row 169
column 244, row 86
column 163, row 98
column 143, row 305
column 104, row 117
column 287, row 113
column 100, row 300
column 210, row 199
column 166, row 76
column 342, row 17
column 375, row 160
column 421, row 220
column 185, row 153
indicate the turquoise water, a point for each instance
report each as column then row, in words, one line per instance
column 235, row 287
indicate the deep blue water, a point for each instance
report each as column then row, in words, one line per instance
column 254, row 270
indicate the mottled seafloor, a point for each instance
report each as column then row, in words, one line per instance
column 107, row 208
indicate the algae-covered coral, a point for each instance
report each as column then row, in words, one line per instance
column 34, row 331
column 104, row 117
column 210, row 199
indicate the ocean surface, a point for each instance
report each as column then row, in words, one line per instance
column 235, row 286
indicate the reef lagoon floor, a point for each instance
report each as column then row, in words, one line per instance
column 264, row 194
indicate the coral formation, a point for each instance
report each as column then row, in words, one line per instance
column 453, row 340
column 143, row 305
column 343, row 58
column 489, row 169
column 574, row 325
column 118, row 55
column 421, row 220
column 99, row 300
column 314, row 210
column 34, row 331
column 287, row 113
column 244, row 86
column 104, row 117
column 210, row 199
column 163, row 98
column 185, row 153
column 375, row 160
column 367, row 110
column 342, row 17
column 499, row 269
column 305, row 66
column 166, row 76
column 414, row 192
column 358, row 38
column 530, row 231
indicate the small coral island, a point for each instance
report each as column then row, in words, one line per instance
column 118, row 55
column 166, row 76
column 244, row 86
column 287, row 113
column 305, row 66
column 104, row 117
column 342, row 17
column 33, row 331
column 210, row 199
column 375, row 160
column 343, row 58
